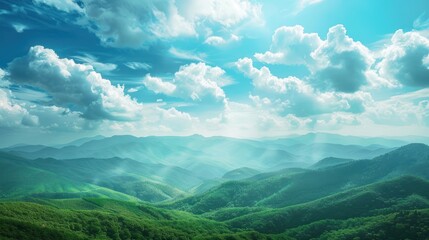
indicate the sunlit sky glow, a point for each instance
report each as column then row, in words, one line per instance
column 238, row 68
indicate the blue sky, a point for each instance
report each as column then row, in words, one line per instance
column 219, row 67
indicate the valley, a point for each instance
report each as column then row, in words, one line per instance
column 124, row 187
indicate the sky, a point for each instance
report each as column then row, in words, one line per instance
column 237, row 68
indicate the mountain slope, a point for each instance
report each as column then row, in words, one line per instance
column 18, row 178
column 108, row 220
column 240, row 173
column 329, row 162
column 208, row 157
column 311, row 138
column 404, row 193
column 316, row 151
column 284, row 189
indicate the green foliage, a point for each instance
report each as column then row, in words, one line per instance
column 72, row 199
column 379, row 198
column 412, row 224
column 111, row 220
column 290, row 187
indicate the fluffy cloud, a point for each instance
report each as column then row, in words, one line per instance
column 338, row 63
column 294, row 96
column 290, row 45
column 263, row 79
column 73, row 86
column 402, row 110
column 12, row 114
column 158, row 86
column 406, row 59
column 218, row 41
column 225, row 12
column 135, row 24
column 341, row 62
column 195, row 81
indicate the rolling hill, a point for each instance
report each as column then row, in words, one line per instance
column 289, row 187
column 18, row 179
column 208, row 157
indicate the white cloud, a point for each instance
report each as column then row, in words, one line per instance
column 138, row 65
column 302, row 4
column 93, row 61
column 196, row 81
column 341, row 63
column 2, row 74
column 225, row 12
column 338, row 63
column 12, row 114
column 294, row 96
column 402, row 110
column 219, row 41
column 19, row 27
column 263, row 79
column 74, row 86
column 199, row 81
column 62, row 5
column 156, row 85
column 186, row 55
column 290, row 45
column 405, row 59
column 133, row 90
column 136, row 24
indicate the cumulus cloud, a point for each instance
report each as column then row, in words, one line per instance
column 290, row 45
column 406, row 59
column 200, row 80
column 338, row 63
column 292, row 95
column 12, row 114
column 219, row 41
column 135, row 24
column 73, row 86
column 263, row 79
column 225, row 12
column 195, row 81
column 157, row 85
column 401, row 110
column 342, row 63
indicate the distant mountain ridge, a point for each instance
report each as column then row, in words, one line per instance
column 209, row 157
column 286, row 187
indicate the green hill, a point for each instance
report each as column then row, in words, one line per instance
column 18, row 178
column 405, row 193
column 329, row 162
column 109, row 220
column 240, row 173
column 148, row 182
column 287, row 188
column 387, row 210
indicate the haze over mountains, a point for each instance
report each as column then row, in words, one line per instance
column 271, row 187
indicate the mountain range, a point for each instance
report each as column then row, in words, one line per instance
column 125, row 187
